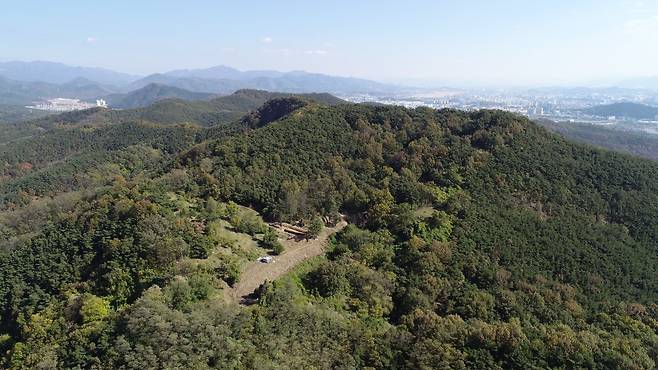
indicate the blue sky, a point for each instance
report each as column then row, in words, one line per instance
column 507, row 42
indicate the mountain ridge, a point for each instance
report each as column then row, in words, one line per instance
column 150, row 94
column 222, row 79
column 27, row 92
column 216, row 79
column 59, row 73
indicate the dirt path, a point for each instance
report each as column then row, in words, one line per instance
column 256, row 273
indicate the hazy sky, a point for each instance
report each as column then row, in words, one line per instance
column 481, row 41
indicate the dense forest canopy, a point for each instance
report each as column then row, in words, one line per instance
column 474, row 240
column 19, row 113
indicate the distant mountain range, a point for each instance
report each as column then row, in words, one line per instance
column 224, row 80
column 152, row 93
column 224, row 73
column 26, row 92
column 296, row 81
column 58, row 73
column 630, row 110
column 24, row 82
column 212, row 86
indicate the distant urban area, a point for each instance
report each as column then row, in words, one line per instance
column 558, row 104
column 67, row 105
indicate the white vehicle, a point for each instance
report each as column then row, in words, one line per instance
column 266, row 259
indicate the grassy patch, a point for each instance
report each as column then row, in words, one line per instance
column 424, row 212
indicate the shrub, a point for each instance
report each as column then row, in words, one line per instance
column 278, row 248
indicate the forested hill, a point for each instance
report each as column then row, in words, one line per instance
column 53, row 154
column 630, row 110
column 510, row 170
column 214, row 112
column 638, row 143
column 476, row 241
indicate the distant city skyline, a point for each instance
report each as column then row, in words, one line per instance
column 473, row 43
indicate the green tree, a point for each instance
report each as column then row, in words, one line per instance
column 93, row 308
column 315, row 227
